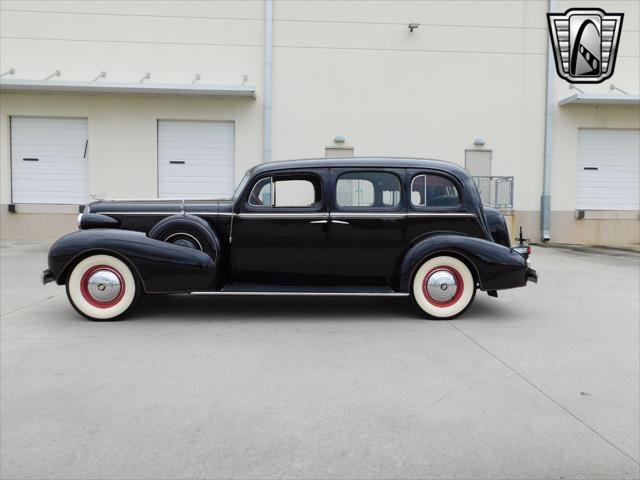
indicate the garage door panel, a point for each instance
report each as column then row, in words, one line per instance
column 61, row 172
column 50, row 149
column 203, row 154
column 613, row 180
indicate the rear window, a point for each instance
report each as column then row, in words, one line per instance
column 428, row 190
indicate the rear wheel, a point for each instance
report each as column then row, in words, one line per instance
column 103, row 287
column 443, row 287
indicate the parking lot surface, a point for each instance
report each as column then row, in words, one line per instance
column 542, row 382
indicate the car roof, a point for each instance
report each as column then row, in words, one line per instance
column 361, row 162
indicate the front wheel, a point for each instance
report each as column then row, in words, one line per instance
column 103, row 287
column 443, row 287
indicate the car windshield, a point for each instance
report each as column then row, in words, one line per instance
column 240, row 187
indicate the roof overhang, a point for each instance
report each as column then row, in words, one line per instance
column 600, row 99
column 125, row 88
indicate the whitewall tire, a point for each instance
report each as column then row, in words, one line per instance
column 102, row 287
column 443, row 287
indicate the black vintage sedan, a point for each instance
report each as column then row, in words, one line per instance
column 349, row 226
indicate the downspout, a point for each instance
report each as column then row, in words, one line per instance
column 545, row 200
column 268, row 51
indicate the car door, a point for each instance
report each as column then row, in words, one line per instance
column 367, row 218
column 280, row 229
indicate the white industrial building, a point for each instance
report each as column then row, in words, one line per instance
column 145, row 99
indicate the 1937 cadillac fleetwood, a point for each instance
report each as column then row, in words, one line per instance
column 349, row 226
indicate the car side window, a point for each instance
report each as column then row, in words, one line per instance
column 428, row 190
column 368, row 189
column 289, row 192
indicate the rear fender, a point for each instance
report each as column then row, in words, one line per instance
column 162, row 267
column 494, row 266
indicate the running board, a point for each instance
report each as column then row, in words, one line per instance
column 263, row 290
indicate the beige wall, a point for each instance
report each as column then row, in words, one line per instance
column 429, row 93
column 122, row 147
column 339, row 68
column 173, row 40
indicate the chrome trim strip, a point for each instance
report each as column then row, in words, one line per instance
column 307, row 294
column 368, row 215
column 138, row 213
column 441, row 214
column 159, row 213
column 400, row 215
column 283, row 215
column 159, row 200
column 309, row 215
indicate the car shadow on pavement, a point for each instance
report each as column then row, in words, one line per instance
column 258, row 308
column 272, row 308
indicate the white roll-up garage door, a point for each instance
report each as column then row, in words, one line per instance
column 608, row 174
column 49, row 160
column 195, row 159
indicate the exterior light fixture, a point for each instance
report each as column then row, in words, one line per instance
column 613, row 87
column 339, row 139
column 479, row 142
column 413, row 26
column 54, row 74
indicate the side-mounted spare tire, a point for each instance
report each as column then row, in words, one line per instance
column 188, row 231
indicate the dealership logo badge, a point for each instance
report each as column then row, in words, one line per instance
column 585, row 43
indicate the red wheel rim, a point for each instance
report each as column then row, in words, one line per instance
column 459, row 286
column 84, row 287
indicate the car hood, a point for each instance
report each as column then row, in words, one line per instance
column 168, row 206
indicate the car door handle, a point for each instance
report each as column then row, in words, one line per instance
column 318, row 221
column 341, row 222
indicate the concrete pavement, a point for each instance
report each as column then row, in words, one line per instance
column 542, row 382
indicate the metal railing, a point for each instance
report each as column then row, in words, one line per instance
column 496, row 191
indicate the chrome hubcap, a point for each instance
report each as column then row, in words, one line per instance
column 184, row 240
column 442, row 286
column 104, row 286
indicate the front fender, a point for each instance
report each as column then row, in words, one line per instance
column 162, row 267
column 495, row 266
